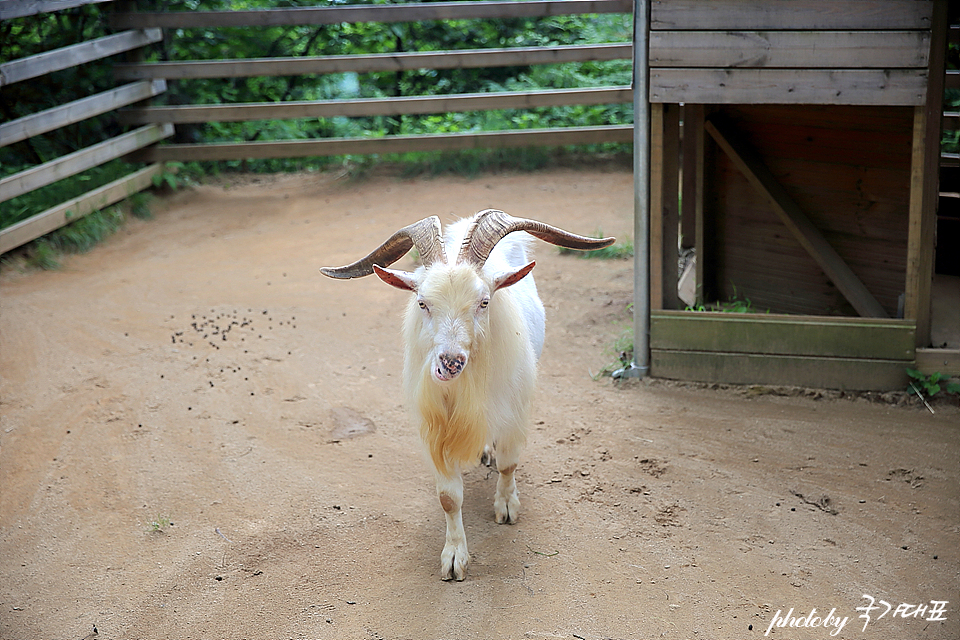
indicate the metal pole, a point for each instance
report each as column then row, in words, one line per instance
column 640, row 366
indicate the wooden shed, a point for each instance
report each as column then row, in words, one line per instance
column 804, row 179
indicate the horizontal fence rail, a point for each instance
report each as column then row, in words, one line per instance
column 460, row 59
column 44, row 63
column 418, row 105
column 390, row 144
column 413, row 12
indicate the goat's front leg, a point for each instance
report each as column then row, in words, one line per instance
column 455, row 557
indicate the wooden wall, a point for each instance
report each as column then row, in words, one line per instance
column 848, row 168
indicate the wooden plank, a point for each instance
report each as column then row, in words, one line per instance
column 691, row 199
column 78, row 110
column 656, row 207
column 10, row 9
column 393, row 144
column 376, row 107
column 791, row 14
column 790, row 49
column 897, row 87
column 74, row 163
column 464, row 59
column 853, row 374
column 75, row 55
column 924, row 185
column 670, row 213
column 945, row 361
column 812, row 240
column 772, row 334
column 67, row 212
column 413, row 12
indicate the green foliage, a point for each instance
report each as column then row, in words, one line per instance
column 734, row 304
column 622, row 349
column 160, row 524
column 931, row 385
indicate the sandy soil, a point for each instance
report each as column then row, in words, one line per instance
column 204, row 438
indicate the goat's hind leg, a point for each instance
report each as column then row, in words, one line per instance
column 506, row 501
column 455, row 557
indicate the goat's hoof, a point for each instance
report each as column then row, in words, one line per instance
column 488, row 457
column 507, row 511
column 453, row 562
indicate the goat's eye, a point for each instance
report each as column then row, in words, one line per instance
column 423, row 305
column 484, row 303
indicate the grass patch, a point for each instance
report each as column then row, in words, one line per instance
column 616, row 251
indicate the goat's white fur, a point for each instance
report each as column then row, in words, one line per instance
column 487, row 403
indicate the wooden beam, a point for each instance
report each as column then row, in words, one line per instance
column 779, row 334
column 893, row 87
column 392, row 144
column 762, row 179
column 375, row 107
column 790, row 49
column 78, row 161
column 945, row 361
column 924, row 185
column 656, row 207
column 413, row 12
column 43, row 223
column 10, row 9
column 670, row 213
column 75, row 55
column 462, row 59
column 78, row 110
column 691, row 201
column 791, row 14
column 854, row 374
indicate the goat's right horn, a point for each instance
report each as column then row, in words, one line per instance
column 425, row 235
column 490, row 226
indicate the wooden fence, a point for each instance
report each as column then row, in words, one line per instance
column 473, row 58
column 145, row 80
column 53, row 119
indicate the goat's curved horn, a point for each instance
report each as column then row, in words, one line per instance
column 425, row 235
column 491, row 225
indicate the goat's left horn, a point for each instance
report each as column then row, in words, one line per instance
column 425, row 235
column 491, row 225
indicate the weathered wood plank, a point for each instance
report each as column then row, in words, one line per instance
column 393, row 144
column 812, row 240
column 78, row 110
column 900, row 87
column 924, row 183
column 790, row 49
column 412, row 12
column 376, row 107
column 657, row 158
column 852, row 374
column 74, row 55
column 945, row 361
column 465, row 59
column 74, row 163
column 771, row 334
column 67, row 212
column 791, row 14
column 10, row 9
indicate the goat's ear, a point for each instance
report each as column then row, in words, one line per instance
column 399, row 279
column 514, row 276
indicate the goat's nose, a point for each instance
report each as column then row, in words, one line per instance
column 451, row 365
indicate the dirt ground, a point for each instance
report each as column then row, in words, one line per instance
column 202, row 437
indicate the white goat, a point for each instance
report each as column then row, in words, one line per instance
column 469, row 355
